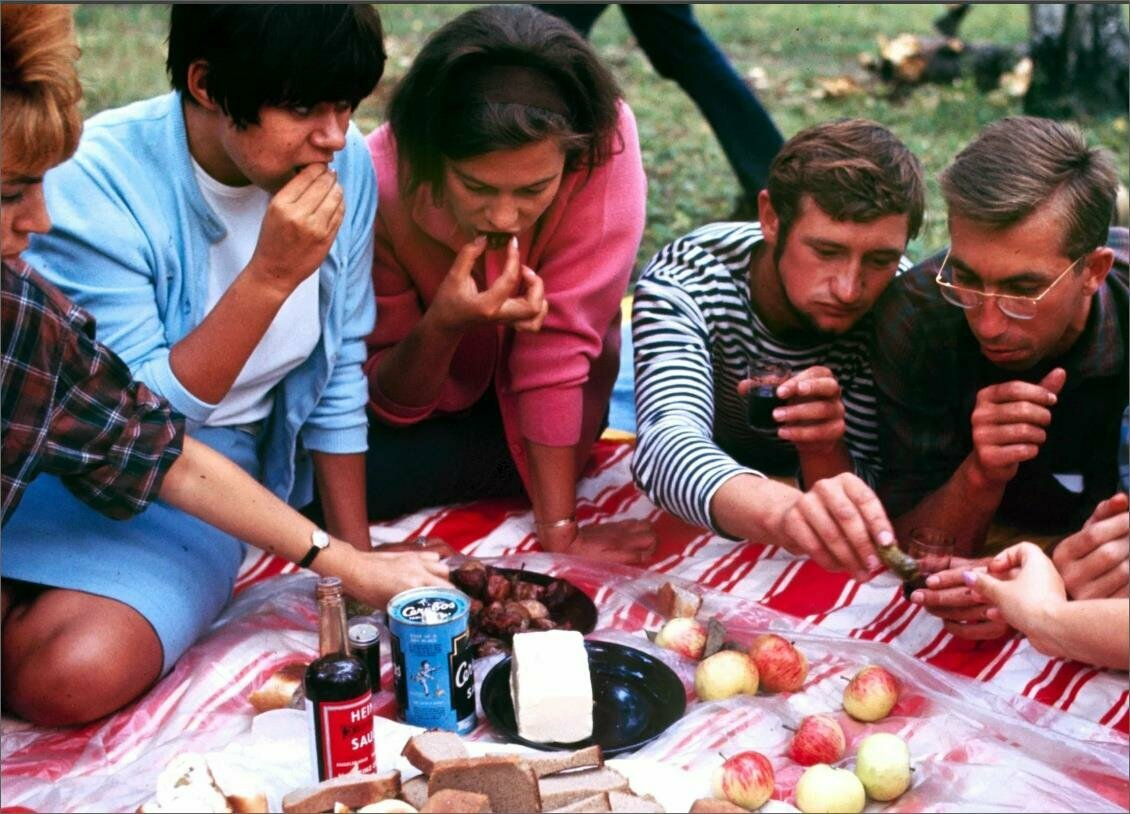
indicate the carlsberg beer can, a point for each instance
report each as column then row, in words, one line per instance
column 431, row 658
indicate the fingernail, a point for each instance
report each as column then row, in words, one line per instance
column 872, row 562
column 778, row 414
column 1054, row 398
column 481, row 240
column 886, row 538
column 918, row 597
column 933, row 580
column 968, row 577
column 514, row 241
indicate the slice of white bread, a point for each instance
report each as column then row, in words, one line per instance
column 631, row 803
column 674, row 600
column 425, row 749
column 550, row 686
column 591, row 757
column 353, row 790
column 596, row 804
column 389, row 806
column 562, row 789
column 454, row 801
column 278, row 691
column 187, row 784
column 415, row 791
column 507, row 780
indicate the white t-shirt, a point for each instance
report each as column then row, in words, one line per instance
column 295, row 330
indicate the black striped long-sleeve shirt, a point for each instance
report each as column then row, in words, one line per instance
column 695, row 331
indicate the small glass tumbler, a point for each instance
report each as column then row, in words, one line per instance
column 933, row 549
column 765, row 377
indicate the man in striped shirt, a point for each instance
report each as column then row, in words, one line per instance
column 843, row 199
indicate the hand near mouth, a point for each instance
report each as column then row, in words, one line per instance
column 516, row 298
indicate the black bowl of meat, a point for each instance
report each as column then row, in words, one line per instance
column 505, row 601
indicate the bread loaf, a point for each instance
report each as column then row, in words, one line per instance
column 562, row 789
column 454, row 801
column 415, row 791
column 596, row 804
column 507, row 780
column 278, row 690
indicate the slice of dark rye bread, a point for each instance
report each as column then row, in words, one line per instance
column 353, row 790
column 591, row 757
column 596, row 804
column 415, row 791
column 562, row 789
column 454, row 801
column 425, row 749
column 507, row 780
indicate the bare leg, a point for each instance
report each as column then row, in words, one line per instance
column 70, row 657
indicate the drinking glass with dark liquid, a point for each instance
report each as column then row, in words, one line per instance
column 765, row 378
column 932, row 549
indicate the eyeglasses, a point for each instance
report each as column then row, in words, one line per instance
column 1009, row 304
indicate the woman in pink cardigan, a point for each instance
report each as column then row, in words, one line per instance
column 512, row 201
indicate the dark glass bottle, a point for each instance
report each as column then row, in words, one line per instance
column 339, row 701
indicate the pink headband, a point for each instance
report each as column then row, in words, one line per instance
column 513, row 84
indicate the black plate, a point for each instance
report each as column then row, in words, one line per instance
column 635, row 698
column 577, row 609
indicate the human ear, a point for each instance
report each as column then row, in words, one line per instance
column 1096, row 266
column 197, row 85
column 770, row 223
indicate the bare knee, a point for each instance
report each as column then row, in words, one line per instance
column 77, row 674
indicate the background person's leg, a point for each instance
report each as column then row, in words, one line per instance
column 681, row 50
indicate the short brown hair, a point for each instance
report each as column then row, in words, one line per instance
column 40, row 88
column 854, row 169
column 1018, row 164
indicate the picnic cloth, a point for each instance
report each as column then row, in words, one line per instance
column 991, row 725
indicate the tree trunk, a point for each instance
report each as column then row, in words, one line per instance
column 1081, row 58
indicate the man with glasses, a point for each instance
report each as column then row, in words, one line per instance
column 1001, row 363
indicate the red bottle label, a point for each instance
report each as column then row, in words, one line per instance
column 345, row 730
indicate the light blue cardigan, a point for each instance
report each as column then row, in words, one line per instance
column 130, row 240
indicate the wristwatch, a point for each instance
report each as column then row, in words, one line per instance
column 319, row 540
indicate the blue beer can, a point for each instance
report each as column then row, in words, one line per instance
column 431, row 658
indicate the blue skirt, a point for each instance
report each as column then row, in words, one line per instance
column 173, row 569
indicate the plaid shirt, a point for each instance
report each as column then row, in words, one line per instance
column 70, row 407
column 928, row 369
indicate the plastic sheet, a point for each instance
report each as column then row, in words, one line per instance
column 973, row 747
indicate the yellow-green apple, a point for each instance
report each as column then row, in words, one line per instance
column 871, row 694
column 685, row 636
column 745, row 779
column 818, row 739
column 780, row 665
column 824, row 789
column 882, row 763
column 725, row 674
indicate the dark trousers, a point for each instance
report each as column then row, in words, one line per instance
column 445, row 459
column 679, row 49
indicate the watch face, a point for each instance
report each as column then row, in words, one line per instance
column 319, row 539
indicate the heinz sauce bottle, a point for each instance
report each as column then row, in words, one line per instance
column 339, row 700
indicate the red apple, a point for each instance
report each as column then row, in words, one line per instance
column 746, row 780
column 818, row 739
column 781, row 666
column 725, row 674
column 683, row 635
column 871, row 694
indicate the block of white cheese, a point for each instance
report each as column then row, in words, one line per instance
column 551, row 687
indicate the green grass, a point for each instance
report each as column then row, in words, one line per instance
column 690, row 182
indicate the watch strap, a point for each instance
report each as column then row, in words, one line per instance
column 319, row 540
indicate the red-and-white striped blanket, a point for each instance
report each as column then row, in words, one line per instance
column 1058, row 726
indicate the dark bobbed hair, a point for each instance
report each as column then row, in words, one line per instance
column 433, row 119
column 854, row 169
column 1020, row 163
column 277, row 54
